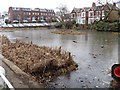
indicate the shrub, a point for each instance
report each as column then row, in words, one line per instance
column 58, row 25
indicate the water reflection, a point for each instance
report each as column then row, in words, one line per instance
column 94, row 62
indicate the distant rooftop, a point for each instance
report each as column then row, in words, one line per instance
column 35, row 9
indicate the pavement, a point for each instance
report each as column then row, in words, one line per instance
column 16, row 76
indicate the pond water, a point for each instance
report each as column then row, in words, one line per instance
column 95, row 52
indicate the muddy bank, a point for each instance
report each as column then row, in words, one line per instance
column 38, row 61
column 69, row 32
column 23, row 28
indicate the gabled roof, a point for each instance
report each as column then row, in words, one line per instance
column 76, row 10
column 109, row 6
column 98, row 8
column 105, row 7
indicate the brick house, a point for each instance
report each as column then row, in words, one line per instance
column 89, row 15
column 30, row 15
column 85, row 15
column 95, row 13
column 113, row 13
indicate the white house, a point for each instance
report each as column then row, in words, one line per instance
column 76, row 15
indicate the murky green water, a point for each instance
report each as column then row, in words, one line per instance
column 95, row 52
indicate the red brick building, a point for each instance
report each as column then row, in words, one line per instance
column 18, row 14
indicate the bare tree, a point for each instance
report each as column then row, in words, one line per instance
column 62, row 10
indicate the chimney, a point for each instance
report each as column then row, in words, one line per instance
column 93, row 4
column 114, row 4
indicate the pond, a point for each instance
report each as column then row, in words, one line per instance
column 95, row 52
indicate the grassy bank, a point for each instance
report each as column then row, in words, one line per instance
column 23, row 28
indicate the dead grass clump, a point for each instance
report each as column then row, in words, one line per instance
column 37, row 60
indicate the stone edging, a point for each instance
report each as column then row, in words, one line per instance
column 21, row 74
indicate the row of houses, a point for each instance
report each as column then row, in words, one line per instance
column 18, row 14
column 89, row 15
column 86, row 15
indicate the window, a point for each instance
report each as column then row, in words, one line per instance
column 83, row 14
column 73, row 15
column 80, row 14
column 91, row 14
column 104, row 13
column 97, row 13
column 90, row 20
column 83, row 21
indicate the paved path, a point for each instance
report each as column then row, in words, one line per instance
column 11, row 76
column 16, row 76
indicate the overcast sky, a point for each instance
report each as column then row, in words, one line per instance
column 50, row 4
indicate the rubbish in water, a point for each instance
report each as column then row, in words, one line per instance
column 102, row 46
column 75, row 41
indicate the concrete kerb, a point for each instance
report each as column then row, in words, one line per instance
column 22, row 75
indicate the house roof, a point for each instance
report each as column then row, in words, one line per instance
column 109, row 6
column 97, row 8
column 85, row 9
column 105, row 7
column 76, row 10
column 29, row 9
